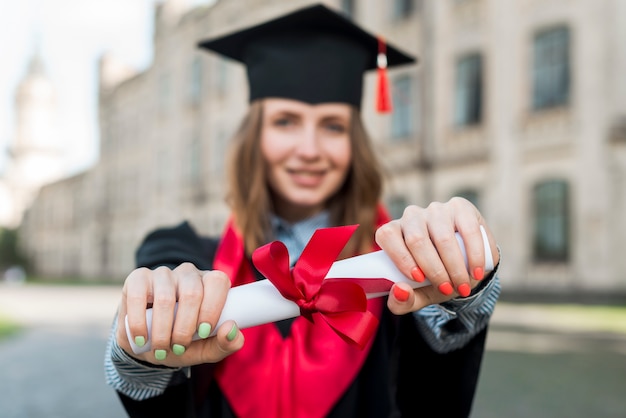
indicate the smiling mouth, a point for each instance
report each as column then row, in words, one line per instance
column 306, row 177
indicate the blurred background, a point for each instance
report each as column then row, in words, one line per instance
column 113, row 123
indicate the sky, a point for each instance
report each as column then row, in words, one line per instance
column 70, row 36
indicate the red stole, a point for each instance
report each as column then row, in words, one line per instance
column 303, row 375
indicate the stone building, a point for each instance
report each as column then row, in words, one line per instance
column 518, row 105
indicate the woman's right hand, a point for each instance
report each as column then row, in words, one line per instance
column 200, row 296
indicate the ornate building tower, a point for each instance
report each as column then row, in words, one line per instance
column 35, row 154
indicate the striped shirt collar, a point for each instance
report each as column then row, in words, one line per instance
column 296, row 235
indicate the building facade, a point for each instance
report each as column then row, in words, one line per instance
column 517, row 105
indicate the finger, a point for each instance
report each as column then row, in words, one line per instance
column 391, row 239
column 401, row 299
column 474, row 249
column 189, row 294
column 228, row 340
column 468, row 221
column 120, row 333
column 136, row 293
column 416, row 230
column 215, row 289
column 164, row 301
column 451, row 256
column 416, row 300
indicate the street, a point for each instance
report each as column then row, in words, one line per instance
column 538, row 364
column 53, row 367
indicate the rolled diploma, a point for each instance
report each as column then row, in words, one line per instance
column 261, row 303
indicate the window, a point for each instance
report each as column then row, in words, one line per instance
column 165, row 92
column 162, row 170
column 402, row 125
column 469, row 194
column 551, row 240
column 347, row 7
column 396, row 206
column 220, row 148
column 195, row 81
column 403, row 8
column 195, row 159
column 468, row 94
column 221, row 78
column 551, row 78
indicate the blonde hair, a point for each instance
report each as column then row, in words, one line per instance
column 249, row 194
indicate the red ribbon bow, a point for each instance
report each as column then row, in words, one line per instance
column 342, row 303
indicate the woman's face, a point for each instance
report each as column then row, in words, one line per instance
column 308, row 153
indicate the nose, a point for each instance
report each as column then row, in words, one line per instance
column 308, row 144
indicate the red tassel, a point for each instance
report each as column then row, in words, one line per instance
column 383, row 102
column 383, row 99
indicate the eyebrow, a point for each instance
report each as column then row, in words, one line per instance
column 284, row 112
column 296, row 114
column 337, row 118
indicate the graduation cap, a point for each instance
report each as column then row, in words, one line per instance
column 314, row 55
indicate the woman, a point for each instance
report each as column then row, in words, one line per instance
column 302, row 161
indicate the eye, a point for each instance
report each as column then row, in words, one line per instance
column 336, row 127
column 283, row 121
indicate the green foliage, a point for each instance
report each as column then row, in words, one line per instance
column 10, row 254
column 7, row 327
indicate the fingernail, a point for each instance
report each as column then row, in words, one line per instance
column 418, row 274
column 232, row 333
column 204, row 330
column 400, row 294
column 464, row 290
column 140, row 341
column 479, row 273
column 446, row 288
column 178, row 349
column 160, row 354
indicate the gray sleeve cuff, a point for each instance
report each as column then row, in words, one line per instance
column 137, row 380
column 451, row 325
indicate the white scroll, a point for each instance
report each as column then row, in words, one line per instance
column 261, row 303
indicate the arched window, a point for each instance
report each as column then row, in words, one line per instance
column 551, row 211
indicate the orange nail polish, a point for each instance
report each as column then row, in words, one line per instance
column 464, row 290
column 446, row 288
column 418, row 274
column 479, row 273
column 400, row 294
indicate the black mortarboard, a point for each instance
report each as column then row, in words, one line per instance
column 314, row 55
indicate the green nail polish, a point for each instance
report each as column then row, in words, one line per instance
column 160, row 354
column 204, row 330
column 140, row 341
column 178, row 349
column 232, row 333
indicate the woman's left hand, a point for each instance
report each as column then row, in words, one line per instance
column 422, row 244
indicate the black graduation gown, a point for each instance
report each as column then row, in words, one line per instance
column 402, row 376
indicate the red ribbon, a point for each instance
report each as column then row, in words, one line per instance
column 342, row 303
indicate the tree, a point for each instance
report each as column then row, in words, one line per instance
column 10, row 254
